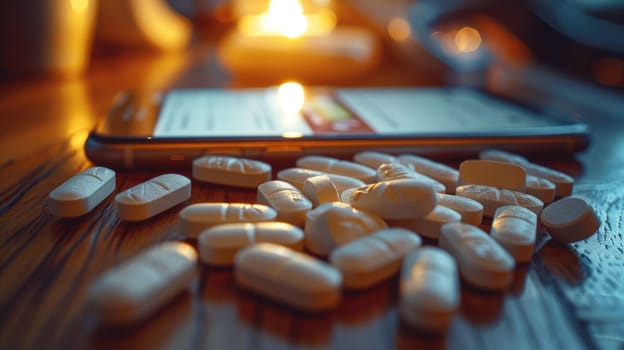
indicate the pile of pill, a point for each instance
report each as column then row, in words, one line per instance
column 328, row 225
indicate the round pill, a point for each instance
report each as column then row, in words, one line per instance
column 570, row 219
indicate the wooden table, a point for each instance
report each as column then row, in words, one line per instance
column 567, row 297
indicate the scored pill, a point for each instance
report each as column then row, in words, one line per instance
column 492, row 173
column 397, row 171
column 291, row 205
column 219, row 244
column 336, row 166
column 430, row 224
column 152, row 197
column 198, row 217
column 429, row 292
column 134, row 290
column 570, row 219
column 446, row 175
column 82, row 192
column 231, row 171
column 491, row 198
column 514, row 228
column 288, row 276
column 369, row 260
column 540, row 188
column 470, row 210
column 320, row 189
column 297, row 176
column 374, row 159
column 482, row 261
column 396, row 199
column 331, row 225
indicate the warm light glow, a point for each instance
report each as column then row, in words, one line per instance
column 79, row 5
column 291, row 96
column 399, row 29
column 292, row 134
column 467, row 39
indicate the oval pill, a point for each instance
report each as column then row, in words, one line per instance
column 343, row 183
column 492, row 173
column 369, row 260
column 446, row 175
column 82, row 192
column 137, row 288
column 198, row 217
column 219, row 244
column 152, row 197
column 470, row 210
column 289, row 277
column 430, row 224
column 398, row 171
column 482, row 261
column 429, row 290
column 540, row 188
column 337, row 166
column 297, row 176
column 396, row 199
column 570, row 219
column 502, row 156
column 231, row 171
column 374, row 159
column 331, row 225
column 291, row 205
column 492, row 198
column 514, row 228
column 320, row 189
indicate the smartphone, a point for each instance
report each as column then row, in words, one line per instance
column 285, row 122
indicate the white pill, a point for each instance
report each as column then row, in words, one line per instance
column 492, row 198
column 320, row 189
column 219, row 244
column 482, row 261
column 429, row 292
column 563, row 182
column 396, row 199
column 197, row 217
column 331, row 225
column 540, row 188
column 291, row 205
column 570, row 219
column 492, row 173
column 297, row 176
column 430, row 225
column 231, row 171
column 345, row 182
column 398, row 171
column 82, row 192
column 470, row 210
column 374, row 159
column 336, row 166
column 289, row 277
column 369, row 260
column 152, row 197
column 514, row 228
column 448, row 176
column 134, row 290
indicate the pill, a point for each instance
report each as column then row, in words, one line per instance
column 297, row 176
column 134, row 290
column 540, row 188
column 514, row 228
column 197, row 217
column 430, row 225
column 152, row 197
column 446, row 175
column 563, row 182
column 331, row 225
column 369, row 260
column 291, row 205
column 492, row 173
column 492, row 198
column 470, row 210
column 398, row 171
column 219, row 244
column 345, row 182
column 320, row 189
column 570, row 219
column 231, row 171
column 374, row 159
column 336, row 166
column 429, row 289
column 288, row 276
column 482, row 262
column 82, row 192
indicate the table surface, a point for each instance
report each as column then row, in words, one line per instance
column 567, row 297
